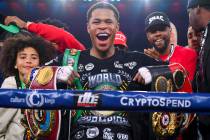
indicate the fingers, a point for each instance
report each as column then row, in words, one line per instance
column 72, row 76
column 13, row 19
column 152, row 53
column 138, row 78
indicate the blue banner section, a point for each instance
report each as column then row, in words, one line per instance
column 105, row 100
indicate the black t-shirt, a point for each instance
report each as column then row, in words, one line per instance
column 114, row 73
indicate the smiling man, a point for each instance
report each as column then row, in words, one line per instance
column 157, row 26
column 104, row 67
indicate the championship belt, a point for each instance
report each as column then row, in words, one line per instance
column 172, row 78
column 42, row 124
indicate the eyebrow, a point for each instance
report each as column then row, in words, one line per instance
column 26, row 54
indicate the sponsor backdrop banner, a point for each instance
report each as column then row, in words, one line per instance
column 105, row 100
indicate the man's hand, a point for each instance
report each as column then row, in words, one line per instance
column 139, row 79
column 143, row 76
column 72, row 77
column 67, row 74
column 151, row 52
column 13, row 19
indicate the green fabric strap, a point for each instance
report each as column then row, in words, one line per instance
column 75, row 57
column 77, row 83
column 23, row 86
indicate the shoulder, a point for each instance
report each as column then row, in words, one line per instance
column 132, row 54
column 9, row 82
column 186, row 51
column 141, row 58
column 85, row 55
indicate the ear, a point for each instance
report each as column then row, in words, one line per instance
column 147, row 34
column 170, row 30
column 88, row 27
column 118, row 26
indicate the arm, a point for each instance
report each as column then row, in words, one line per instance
column 51, row 33
column 10, row 119
column 151, row 52
column 57, row 35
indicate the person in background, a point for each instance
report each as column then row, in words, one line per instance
column 10, row 31
column 173, row 40
column 194, row 39
column 58, row 36
column 120, row 41
column 158, row 33
column 199, row 17
column 19, row 56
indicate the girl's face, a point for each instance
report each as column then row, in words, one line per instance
column 26, row 60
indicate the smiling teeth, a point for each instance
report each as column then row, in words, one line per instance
column 103, row 35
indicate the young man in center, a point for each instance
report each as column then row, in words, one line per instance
column 103, row 67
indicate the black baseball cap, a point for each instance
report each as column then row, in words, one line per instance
column 156, row 18
column 194, row 3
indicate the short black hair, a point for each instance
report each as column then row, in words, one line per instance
column 103, row 5
column 23, row 33
column 207, row 7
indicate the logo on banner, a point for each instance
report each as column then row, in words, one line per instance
column 92, row 132
column 34, row 100
column 87, row 99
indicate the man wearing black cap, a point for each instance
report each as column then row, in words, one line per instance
column 199, row 19
column 158, row 31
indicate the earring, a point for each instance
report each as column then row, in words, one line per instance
column 15, row 66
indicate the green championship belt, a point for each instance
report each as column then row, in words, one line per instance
column 71, row 58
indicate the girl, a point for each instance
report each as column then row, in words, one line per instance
column 18, row 56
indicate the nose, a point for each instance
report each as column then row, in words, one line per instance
column 28, row 60
column 102, row 25
column 157, row 33
column 194, row 37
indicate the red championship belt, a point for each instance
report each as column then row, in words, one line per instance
column 43, row 124
column 45, row 78
column 180, row 78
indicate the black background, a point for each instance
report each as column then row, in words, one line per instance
column 73, row 12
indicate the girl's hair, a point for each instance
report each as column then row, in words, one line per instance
column 13, row 45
